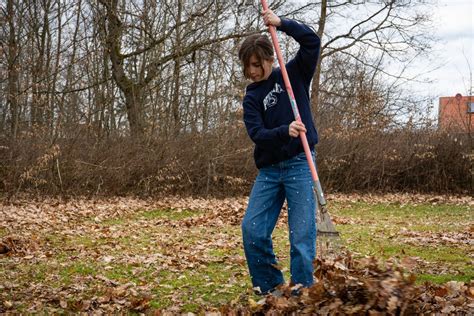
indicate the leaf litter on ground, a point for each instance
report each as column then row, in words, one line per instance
column 345, row 284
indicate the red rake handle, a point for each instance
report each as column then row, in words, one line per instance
column 304, row 140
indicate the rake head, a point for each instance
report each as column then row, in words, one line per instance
column 326, row 227
column 329, row 243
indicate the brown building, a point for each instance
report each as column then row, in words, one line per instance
column 456, row 114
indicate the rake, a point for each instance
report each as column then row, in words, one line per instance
column 327, row 233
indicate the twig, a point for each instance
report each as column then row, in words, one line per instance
column 59, row 175
column 99, row 166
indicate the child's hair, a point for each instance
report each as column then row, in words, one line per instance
column 258, row 45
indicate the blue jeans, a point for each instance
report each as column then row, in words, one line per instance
column 290, row 179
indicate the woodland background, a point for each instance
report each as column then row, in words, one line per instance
column 144, row 97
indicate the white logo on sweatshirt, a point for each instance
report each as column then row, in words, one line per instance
column 271, row 99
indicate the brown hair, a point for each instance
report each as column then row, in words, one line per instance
column 258, row 45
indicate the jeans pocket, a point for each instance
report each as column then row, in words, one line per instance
column 302, row 156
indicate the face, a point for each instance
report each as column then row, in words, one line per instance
column 255, row 71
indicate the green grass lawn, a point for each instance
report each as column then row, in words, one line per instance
column 164, row 256
column 380, row 231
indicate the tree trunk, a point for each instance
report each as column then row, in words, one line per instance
column 177, row 72
column 133, row 102
column 13, row 73
column 133, row 92
column 317, row 75
column 52, row 120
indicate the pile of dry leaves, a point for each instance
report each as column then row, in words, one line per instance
column 364, row 287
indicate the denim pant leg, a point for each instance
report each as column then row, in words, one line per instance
column 266, row 200
column 301, row 220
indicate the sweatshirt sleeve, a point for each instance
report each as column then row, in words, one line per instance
column 307, row 56
column 263, row 137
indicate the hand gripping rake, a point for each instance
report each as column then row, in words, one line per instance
column 325, row 226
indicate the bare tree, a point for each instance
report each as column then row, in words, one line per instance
column 13, row 68
column 392, row 29
column 183, row 43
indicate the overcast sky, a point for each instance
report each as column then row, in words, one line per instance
column 454, row 54
column 449, row 64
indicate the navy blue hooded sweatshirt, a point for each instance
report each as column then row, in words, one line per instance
column 267, row 109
